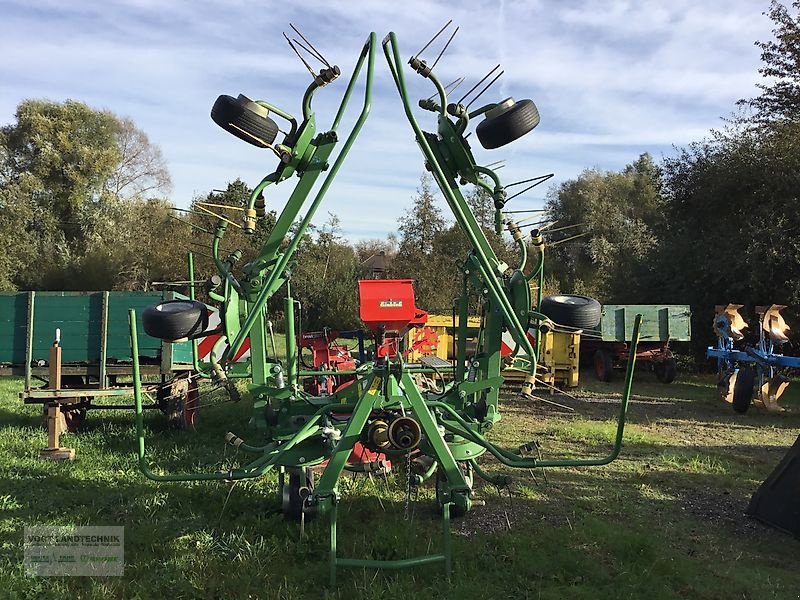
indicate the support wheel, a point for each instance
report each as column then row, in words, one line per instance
column 245, row 119
column 666, row 370
column 175, row 320
column 580, row 312
column 603, row 365
column 507, row 122
column 294, row 487
column 179, row 401
column 442, row 487
column 743, row 389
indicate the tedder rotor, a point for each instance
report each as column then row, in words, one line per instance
column 311, row 433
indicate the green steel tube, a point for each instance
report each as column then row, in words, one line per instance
column 291, row 339
column 498, row 480
column 523, row 254
column 514, row 461
column 365, row 50
column 481, row 248
column 251, row 202
column 254, row 469
column 279, row 269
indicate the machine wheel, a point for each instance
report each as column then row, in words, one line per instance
column 74, row 418
column 603, row 365
column 581, row 312
column 441, row 484
column 743, row 389
column 245, row 119
column 179, row 400
column 506, row 123
column 666, row 370
column 175, row 319
column 294, row 487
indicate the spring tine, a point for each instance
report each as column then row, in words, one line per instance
column 488, row 85
column 221, row 217
column 474, row 87
column 190, row 224
column 316, row 53
column 220, row 205
column 454, row 84
column 569, row 239
column 455, row 31
column 303, row 60
column 527, row 210
column 538, row 179
column 564, row 227
column 425, row 47
column 554, row 403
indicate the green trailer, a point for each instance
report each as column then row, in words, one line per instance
column 607, row 345
column 73, row 350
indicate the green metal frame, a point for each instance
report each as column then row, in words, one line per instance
column 301, row 431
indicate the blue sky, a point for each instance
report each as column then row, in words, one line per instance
column 611, row 79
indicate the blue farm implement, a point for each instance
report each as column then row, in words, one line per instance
column 761, row 367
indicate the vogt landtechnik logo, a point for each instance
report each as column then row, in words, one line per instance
column 74, row 550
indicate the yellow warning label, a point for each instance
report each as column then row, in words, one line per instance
column 373, row 388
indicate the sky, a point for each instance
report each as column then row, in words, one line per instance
column 611, row 79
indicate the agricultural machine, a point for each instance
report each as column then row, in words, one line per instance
column 311, row 433
column 740, row 370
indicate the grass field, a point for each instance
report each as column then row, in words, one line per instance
column 664, row 521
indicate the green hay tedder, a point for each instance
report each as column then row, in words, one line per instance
column 385, row 411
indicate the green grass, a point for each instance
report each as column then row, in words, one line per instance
column 663, row 521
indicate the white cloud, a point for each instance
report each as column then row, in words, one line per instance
column 612, row 79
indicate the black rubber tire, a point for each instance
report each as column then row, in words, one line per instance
column 743, row 389
column 603, row 363
column 241, row 117
column 581, row 312
column 509, row 125
column 175, row 319
column 666, row 370
column 293, row 493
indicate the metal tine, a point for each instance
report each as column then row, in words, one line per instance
column 488, row 85
column 497, row 162
column 303, row 60
column 540, row 180
column 554, row 403
column 221, row 217
column 230, row 206
column 560, row 391
column 178, row 283
column 525, row 220
column 433, row 39
column 564, row 227
column 569, row 239
column 549, row 225
column 316, row 53
column 455, row 31
column 474, row 87
column 454, row 84
column 191, row 224
column 526, row 210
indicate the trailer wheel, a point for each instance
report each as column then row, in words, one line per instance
column 294, row 490
column 245, row 119
column 581, row 312
column 666, row 370
column 507, row 122
column 603, row 365
column 175, row 319
column 179, row 400
column 74, row 419
column 743, row 389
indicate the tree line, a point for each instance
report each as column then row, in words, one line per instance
column 84, row 195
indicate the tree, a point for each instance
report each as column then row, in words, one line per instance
column 780, row 95
column 141, row 172
column 419, row 228
column 64, row 167
column 621, row 211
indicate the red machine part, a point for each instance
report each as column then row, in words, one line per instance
column 425, row 341
column 388, row 309
column 325, row 355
